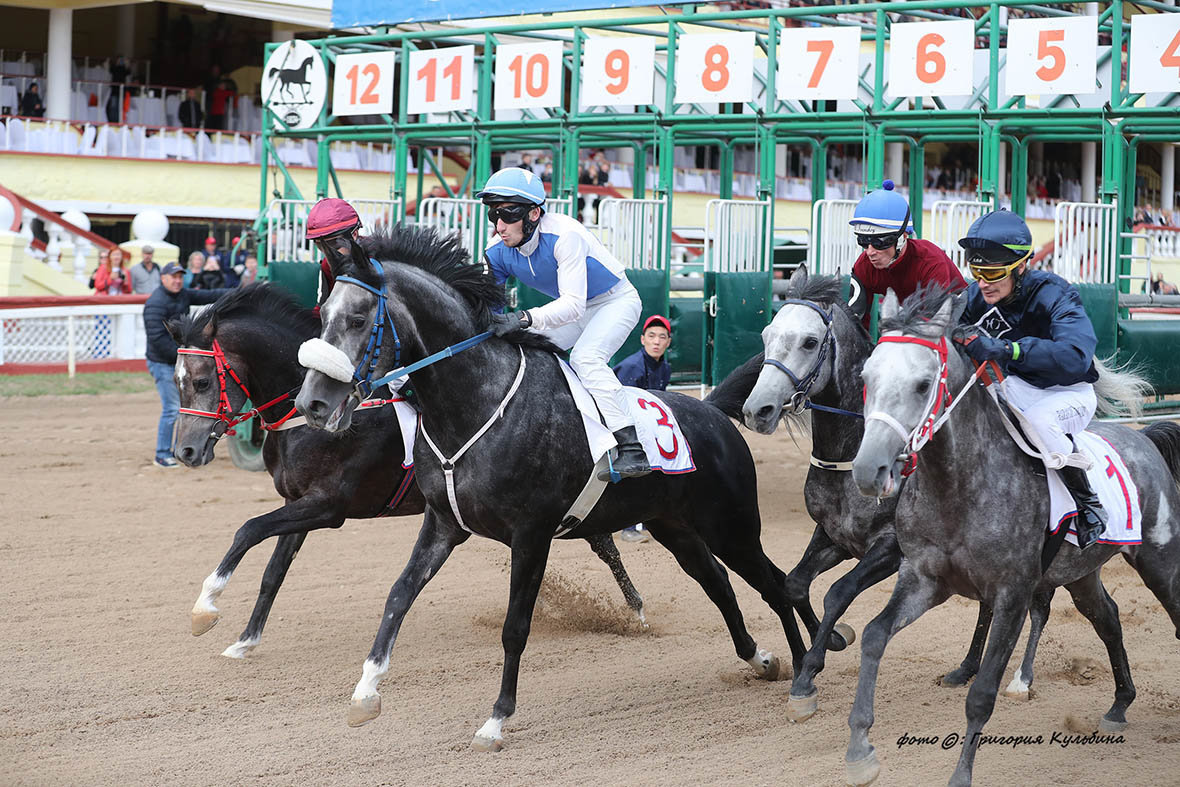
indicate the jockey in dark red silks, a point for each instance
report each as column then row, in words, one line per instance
column 333, row 224
column 892, row 259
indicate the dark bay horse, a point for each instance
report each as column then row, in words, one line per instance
column 526, row 460
column 325, row 478
column 971, row 521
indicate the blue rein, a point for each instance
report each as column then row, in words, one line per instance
column 366, row 384
column 800, row 400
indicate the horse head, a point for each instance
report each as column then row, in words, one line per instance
column 908, row 379
column 799, row 352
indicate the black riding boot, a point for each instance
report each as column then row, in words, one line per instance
column 1091, row 519
column 631, row 461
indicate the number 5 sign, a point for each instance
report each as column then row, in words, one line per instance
column 1047, row 56
column 441, row 80
column 716, row 67
column 528, row 75
column 931, row 58
column 364, row 84
column 818, row 63
column 1155, row 53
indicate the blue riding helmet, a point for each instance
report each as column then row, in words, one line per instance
column 999, row 238
column 881, row 212
column 513, row 184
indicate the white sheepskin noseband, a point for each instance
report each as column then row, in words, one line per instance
column 324, row 358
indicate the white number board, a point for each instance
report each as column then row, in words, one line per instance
column 1051, row 56
column 818, row 62
column 618, row 72
column 1155, row 53
column 528, row 76
column 295, row 84
column 441, row 80
column 717, row 67
column 931, row 58
column 364, row 84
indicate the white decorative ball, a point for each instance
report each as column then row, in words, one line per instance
column 8, row 215
column 150, row 226
column 77, row 218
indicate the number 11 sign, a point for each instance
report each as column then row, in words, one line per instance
column 441, row 80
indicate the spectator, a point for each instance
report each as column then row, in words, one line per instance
column 603, row 173
column 196, row 261
column 190, row 113
column 212, row 82
column 1161, row 287
column 227, row 268
column 104, row 261
column 210, row 248
column 547, row 175
column 145, row 277
column 31, row 105
column 171, row 299
column 250, row 271
column 219, row 108
column 115, row 279
column 211, row 276
column 647, row 369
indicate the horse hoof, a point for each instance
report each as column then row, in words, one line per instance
column 239, row 650
column 800, row 709
column 203, row 620
column 364, row 710
column 768, row 667
column 480, row 743
column 863, row 772
column 1109, row 727
column 955, row 678
column 846, row 633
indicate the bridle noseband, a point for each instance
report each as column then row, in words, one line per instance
column 800, row 400
column 225, row 415
column 364, row 385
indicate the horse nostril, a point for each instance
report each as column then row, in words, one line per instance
column 765, row 413
column 186, row 455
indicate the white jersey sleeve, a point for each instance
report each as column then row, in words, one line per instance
column 570, row 253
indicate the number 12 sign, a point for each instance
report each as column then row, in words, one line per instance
column 818, row 63
column 441, row 80
column 364, row 84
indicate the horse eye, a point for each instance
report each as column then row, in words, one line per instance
column 356, row 322
column 201, row 384
column 810, row 343
column 922, row 387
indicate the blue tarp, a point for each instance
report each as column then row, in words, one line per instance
column 368, row 13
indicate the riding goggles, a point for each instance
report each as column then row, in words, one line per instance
column 991, row 272
column 878, row 242
column 509, row 214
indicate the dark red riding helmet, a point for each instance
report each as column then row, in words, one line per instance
column 331, row 217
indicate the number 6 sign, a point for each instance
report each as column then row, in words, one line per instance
column 818, row 63
column 528, row 75
column 1047, row 56
column 717, row 67
column 931, row 58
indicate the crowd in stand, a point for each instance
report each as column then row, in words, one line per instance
column 209, row 268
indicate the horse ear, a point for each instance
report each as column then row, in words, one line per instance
column 799, row 277
column 944, row 313
column 890, row 307
column 959, row 306
column 173, row 328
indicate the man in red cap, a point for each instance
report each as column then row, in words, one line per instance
column 223, row 262
column 333, row 225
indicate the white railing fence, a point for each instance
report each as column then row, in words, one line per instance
column 737, row 236
column 831, row 247
column 949, row 221
column 1085, row 242
column 67, row 334
column 633, row 231
column 286, row 226
column 464, row 218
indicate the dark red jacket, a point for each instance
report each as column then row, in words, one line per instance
column 921, row 262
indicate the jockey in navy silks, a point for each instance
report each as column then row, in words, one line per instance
column 1033, row 323
column 594, row 309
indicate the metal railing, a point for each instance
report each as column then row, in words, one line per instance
column 286, row 225
column 737, row 239
column 831, row 246
column 56, row 334
column 949, row 221
column 464, row 218
column 1086, row 242
column 633, row 231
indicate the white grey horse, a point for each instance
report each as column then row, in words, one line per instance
column 971, row 519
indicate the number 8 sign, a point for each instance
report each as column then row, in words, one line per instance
column 715, row 68
column 1051, row 56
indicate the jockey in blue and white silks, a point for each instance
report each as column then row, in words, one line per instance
column 594, row 309
column 1033, row 323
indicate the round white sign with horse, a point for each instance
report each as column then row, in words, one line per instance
column 294, row 85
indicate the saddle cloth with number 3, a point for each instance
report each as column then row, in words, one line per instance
column 662, row 439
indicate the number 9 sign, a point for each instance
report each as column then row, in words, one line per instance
column 717, row 67
column 1051, row 56
column 617, row 72
column 931, row 58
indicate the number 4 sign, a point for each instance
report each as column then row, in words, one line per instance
column 1052, row 56
column 364, row 84
column 1155, row 53
column 818, row 63
column 441, row 80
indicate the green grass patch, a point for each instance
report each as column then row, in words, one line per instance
column 89, row 383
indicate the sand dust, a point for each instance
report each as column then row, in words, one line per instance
column 103, row 556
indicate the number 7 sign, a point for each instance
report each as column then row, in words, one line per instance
column 818, row 63
column 1052, row 56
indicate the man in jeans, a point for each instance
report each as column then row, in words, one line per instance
column 170, row 299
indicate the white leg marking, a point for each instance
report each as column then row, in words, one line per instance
column 210, row 590
column 241, row 648
column 370, row 677
column 761, row 661
column 491, row 730
column 1018, row 685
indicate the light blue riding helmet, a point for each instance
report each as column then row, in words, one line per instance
column 881, row 211
column 513, row 184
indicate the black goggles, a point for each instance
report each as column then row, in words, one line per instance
column 878, row 241
column 509, row 214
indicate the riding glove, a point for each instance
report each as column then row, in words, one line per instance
column 509, row 322
column 985, row 348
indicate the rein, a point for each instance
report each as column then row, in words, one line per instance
column 225, row 415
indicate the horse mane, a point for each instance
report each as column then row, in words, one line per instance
column 917, row 312
column 442, row 256
column 262, row 299
column 825, row 290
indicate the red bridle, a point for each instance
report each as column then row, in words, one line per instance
column 225, row 415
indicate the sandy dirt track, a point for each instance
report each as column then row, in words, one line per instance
column 103, row 556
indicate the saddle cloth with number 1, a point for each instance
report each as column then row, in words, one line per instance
column 1116, row 491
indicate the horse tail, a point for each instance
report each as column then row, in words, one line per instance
column 1166, row 437
column 732, row 392
column 1120, row 388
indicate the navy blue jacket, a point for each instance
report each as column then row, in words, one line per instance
column 642, row 371
column 1044, row 315
column 162, row 306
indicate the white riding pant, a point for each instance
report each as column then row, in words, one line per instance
column 594, row 338
column 1055, row 412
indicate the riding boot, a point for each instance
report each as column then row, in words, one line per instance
column 1091, row 519
column 631, row 461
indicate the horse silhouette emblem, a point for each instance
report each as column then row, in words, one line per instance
column 290, row 77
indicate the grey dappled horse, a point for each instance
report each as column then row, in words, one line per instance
column 324, row 478
column 516, row 482
column 971, row 521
